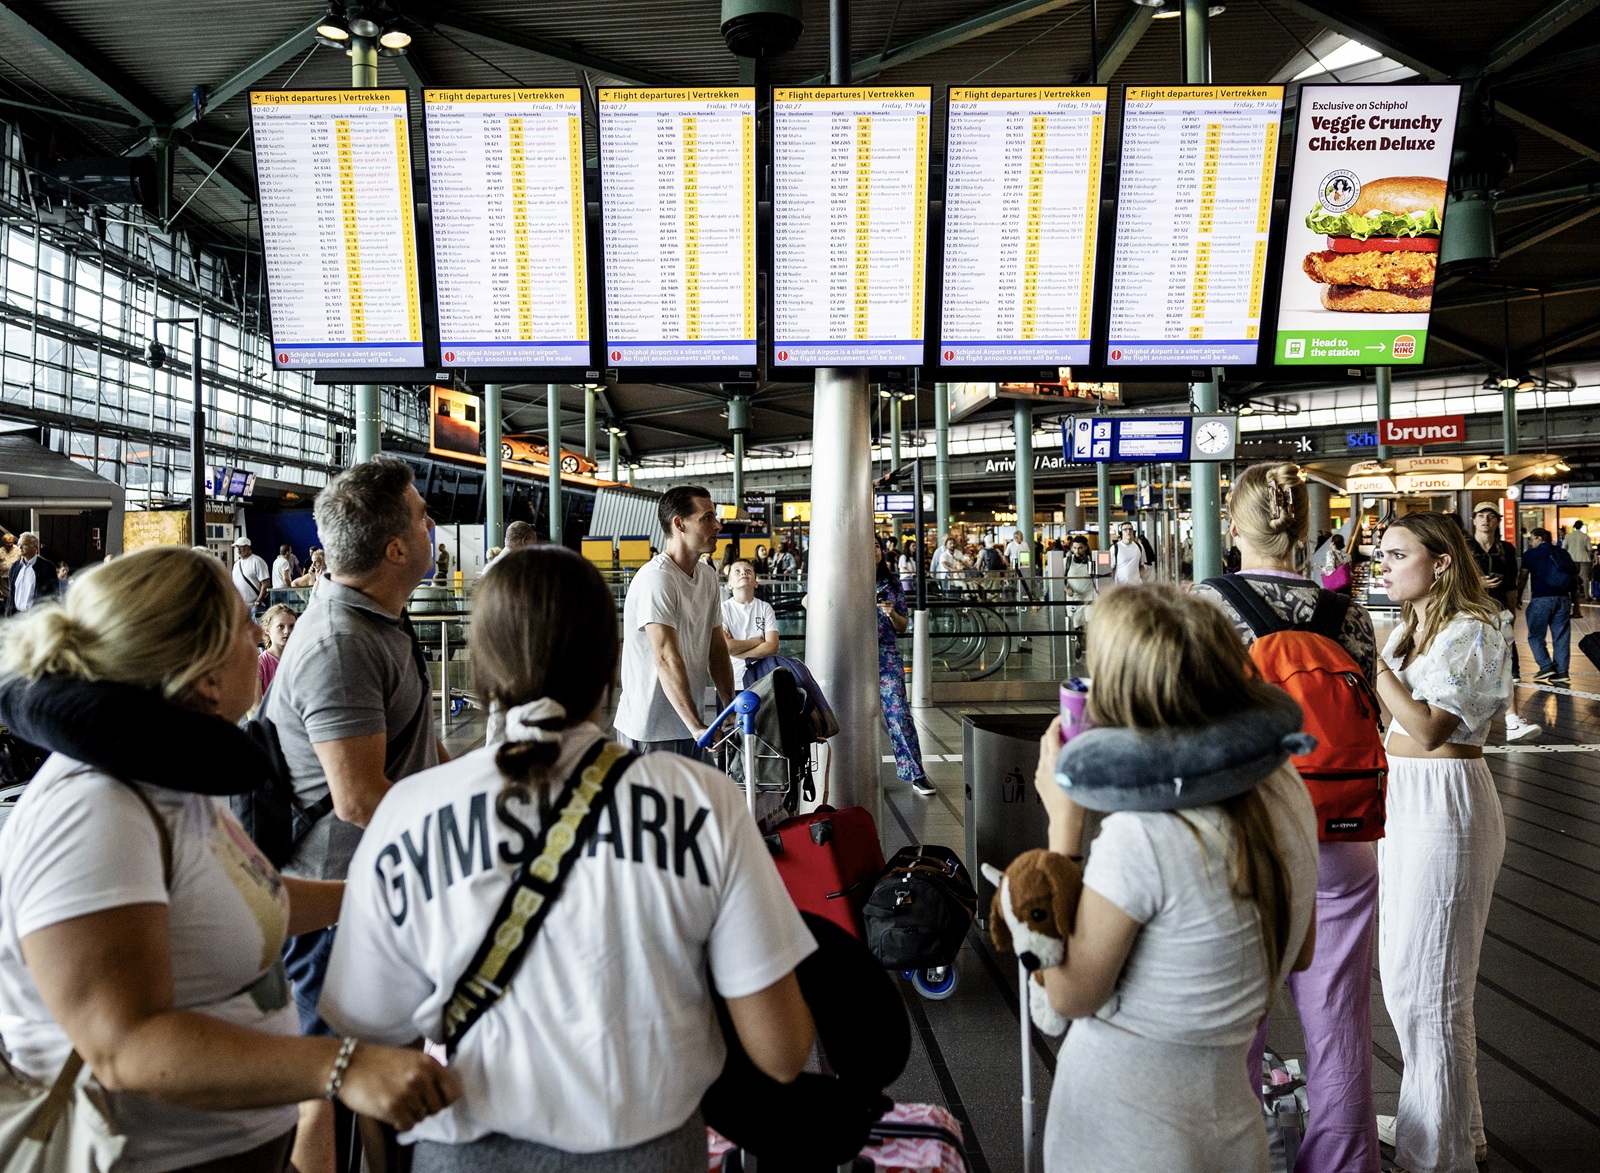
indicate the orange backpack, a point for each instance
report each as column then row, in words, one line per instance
column 1347, row 773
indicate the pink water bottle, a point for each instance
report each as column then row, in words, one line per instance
column 1074, row 708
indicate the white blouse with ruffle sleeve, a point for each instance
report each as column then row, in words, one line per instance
column 1466, row 671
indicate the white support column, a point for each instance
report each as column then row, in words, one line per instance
column 841, row 619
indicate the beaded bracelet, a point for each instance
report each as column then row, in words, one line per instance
column 340, row 1065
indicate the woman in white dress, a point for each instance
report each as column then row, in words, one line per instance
column 1198, row 896
column 1444, row 675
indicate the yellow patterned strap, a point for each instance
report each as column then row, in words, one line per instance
column 534, row 888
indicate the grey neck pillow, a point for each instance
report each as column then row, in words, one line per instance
column 1106, row 769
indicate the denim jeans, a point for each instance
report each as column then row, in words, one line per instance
column 1552, row 613
column 305, row 958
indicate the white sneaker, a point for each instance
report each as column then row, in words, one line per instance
column 1519, row 730
column 1386, row 1130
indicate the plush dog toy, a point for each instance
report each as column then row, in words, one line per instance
column 1035, row 904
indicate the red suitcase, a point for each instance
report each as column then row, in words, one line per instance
column 829, row 860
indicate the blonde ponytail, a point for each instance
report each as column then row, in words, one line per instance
column 158, row 618
column 1269, row 507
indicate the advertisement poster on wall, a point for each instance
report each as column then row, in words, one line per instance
column 1366, row 211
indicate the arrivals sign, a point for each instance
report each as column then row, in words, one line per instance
column 1366, row 208
column 1432, row 429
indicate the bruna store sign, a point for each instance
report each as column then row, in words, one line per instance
column 1432, row 429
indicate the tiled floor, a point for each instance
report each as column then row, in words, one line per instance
column 1538, row 1004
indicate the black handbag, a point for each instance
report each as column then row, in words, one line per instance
column 920, row 910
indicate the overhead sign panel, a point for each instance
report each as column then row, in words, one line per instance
column 333, row 169
column 850, row 216
column 678, row 216
column 1371, row 166
column 1430, row 429
column 505, row 173
column 1150, row 439
column 1194, row 206
column 1022, row 202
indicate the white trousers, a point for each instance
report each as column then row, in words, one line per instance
column 1442, row 848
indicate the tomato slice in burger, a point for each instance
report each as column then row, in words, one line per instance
column 1384, row 244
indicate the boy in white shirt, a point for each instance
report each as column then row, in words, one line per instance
column 749, row 624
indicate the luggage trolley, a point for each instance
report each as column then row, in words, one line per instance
column 765, row 802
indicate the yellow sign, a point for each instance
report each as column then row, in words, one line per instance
column 165, row 527
column 797, row 511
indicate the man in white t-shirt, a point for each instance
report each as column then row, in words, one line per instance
column 284, row 569
column 251, row 575
column 948, row 560
column 1015, row 549
column 749, row 624
column 1128, row 559
column 672, row 632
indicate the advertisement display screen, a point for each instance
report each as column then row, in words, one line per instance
column 1365, row 210
column 1194, row 206
column 505, row 177
column 678, row 216
column 849, row 199
column 333, row 168
column 1021, row 207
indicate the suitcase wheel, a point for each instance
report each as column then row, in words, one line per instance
column 935, row 983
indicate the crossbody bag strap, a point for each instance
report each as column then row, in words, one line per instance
column 60, row 1094
column 534, row 888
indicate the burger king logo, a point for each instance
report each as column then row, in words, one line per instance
column 1405, row 346
column 1339, row 190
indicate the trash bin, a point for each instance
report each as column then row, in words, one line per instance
column 1004, row 817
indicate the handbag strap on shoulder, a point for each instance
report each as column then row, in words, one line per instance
column 537, row 883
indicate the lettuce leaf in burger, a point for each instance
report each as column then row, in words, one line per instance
column 1383, row 252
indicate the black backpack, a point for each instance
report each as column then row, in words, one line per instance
column 271, row 812
column 920, row 909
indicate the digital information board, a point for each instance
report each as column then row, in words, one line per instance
column 678, row 216
column 849, row 203
column 1021, row 210
column 1366, row 210
column 1194, row 207
column 1149, row 439
column 333, row 168
column 505, row 175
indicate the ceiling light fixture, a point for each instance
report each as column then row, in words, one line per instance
column 1173, row 13
column 395, row 39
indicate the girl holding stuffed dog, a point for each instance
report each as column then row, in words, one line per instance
column 1198, row 894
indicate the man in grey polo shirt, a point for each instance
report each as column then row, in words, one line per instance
column 351, row 704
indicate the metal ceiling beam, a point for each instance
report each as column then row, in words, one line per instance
column 1332, row 18
column 413, row 69
column 698, row 437
column 1546, row 227
column 1566, row 340
column 1548, row 66
column 1536, row 32
column 91, row 67
column 948, row 37
column 1543, row 199
column 1487, row 299
column 103, row 115
column 218, row 176
column 1462, row 346
column 302, row 38
column 436, row 16
column 1128, row 35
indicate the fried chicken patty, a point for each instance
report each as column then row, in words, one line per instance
column 1372, row 270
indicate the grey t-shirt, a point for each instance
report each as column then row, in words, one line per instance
column 348, row 671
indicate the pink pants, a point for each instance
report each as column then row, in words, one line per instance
column 1334, row 1000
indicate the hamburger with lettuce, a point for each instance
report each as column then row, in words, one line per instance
column 1383, row 250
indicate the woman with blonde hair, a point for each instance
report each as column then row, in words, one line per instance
column 1444, row 675
column 1268, row 516
column 140, row 928
column 1198, row 893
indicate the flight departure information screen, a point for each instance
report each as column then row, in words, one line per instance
column 1021, row 208
column 850, row 220
column 505, row 175
column 1194, row 206
column 333, row 168
column 677, row 206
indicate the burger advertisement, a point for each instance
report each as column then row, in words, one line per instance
column 1366, row 211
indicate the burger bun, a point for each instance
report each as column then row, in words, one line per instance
column 1401, row 194
column 1357, row 299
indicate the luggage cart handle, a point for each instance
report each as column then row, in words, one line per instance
column 745, row 705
